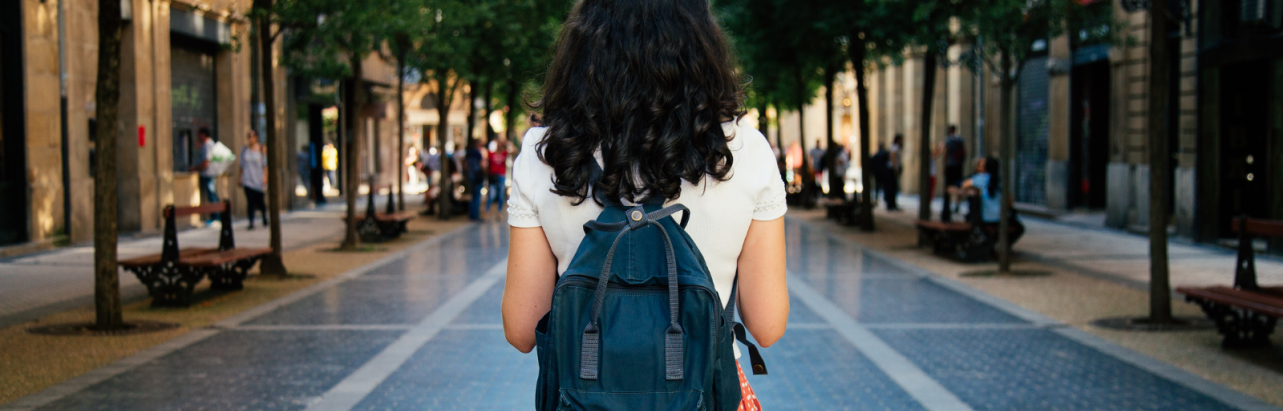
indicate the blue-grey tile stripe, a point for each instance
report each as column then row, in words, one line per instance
column 1159, row 368
column 929, row 393
column 101, row 374
column 349, row 392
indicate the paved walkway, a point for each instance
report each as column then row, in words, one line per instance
column 43, row 283
column 421, row 330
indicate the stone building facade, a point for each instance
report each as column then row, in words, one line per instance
column 184, row 66
column 1082, row 109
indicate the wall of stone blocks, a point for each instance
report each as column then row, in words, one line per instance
column 43, row 119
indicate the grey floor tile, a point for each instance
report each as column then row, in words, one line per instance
column 236, row 370
column 1037, row 370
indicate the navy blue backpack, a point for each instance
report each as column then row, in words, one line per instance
column 636, row 323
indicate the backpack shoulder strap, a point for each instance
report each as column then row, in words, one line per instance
column 754, row 356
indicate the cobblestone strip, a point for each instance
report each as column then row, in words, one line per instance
column 101, row 374
column 349, row 392
column 929, row 393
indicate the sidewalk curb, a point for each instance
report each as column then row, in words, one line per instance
column 76, row 384
column 1157, row 367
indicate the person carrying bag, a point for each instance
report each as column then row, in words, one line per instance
column 644, row 217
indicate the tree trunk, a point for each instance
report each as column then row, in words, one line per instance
column 924, row 143
column 858, row 53
column 471, row 124
column 510, row 123
column 272, row 264
column 763, row 123
column 444, row 189
column 400, row 132
column 255, row 66
column 779, row 132
column 351, row 111
column 808, row 176
column 1160, row 294
column 107, row 97
column 1007, row 147
column 829, row 162
column 487, row 108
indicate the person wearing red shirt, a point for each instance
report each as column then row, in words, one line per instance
column 498, row 162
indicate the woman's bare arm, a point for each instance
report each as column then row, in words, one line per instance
column 763, row 287
column 527, row 295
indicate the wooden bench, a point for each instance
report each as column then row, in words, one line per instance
column 971, row 241
column 841, row 210
column 172, row 275
column 377, row 227
column 1246, row 313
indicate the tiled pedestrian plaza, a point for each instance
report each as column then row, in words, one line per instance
column 421, row 330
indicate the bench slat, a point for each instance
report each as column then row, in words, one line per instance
column 1254, row 295
column 201, row 209
column 155, row 258
column 223, row 257
column 1272, row 228
column 943, row 226
column 401, row 216
column 1260, row 303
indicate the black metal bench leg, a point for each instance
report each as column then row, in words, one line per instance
column 172, row 285
column 231, row 276
column 368, row 230
column 1240, row 328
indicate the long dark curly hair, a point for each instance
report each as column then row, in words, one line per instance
column 649, row 82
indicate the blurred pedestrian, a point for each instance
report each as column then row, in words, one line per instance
column 303, row 160
column 498, row 171
column 412, row 166
column 987, row 184
column 895, row 166
column 207, row 177
column 955, row 158
column 817, row 168
column 254, row 177
column 330, row 163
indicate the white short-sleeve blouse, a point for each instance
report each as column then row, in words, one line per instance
column 720, row 210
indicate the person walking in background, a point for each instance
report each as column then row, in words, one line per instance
column 474, row 175
column 841, row 162
column 498, row 167
column 207, row 176
column 303, row 160
column 254, row 177
column 817, row 168
column 894, row 166
column 330, row 163
column 412, row 166
column 430, row 162
column 955, row 157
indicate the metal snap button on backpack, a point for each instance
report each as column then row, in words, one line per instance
column 636, row 215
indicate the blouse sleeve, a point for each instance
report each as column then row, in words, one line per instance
column 522, row 211
column 770, row 194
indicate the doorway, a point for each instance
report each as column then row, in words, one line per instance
column 13, row 181
column 1089, row 135
column 1247, row 169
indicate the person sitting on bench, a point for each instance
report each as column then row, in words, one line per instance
column 987, row 183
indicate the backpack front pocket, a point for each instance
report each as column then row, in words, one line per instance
column 574, row 400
